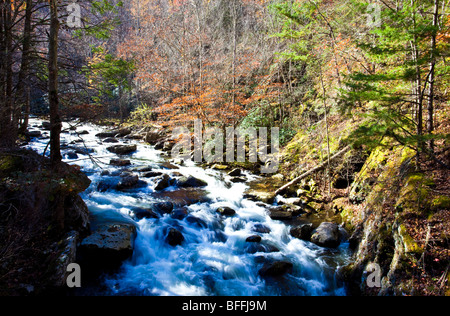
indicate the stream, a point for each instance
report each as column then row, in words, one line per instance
column 215, row 258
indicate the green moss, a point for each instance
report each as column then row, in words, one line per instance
column 441, row 202
column 9, row 164
column 410, row 244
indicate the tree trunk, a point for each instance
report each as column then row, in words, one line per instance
column 55, row 120
column 23, row 91
column 430, row 109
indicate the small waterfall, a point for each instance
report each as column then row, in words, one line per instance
column 214, row 256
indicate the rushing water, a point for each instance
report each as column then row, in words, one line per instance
column 214, row 258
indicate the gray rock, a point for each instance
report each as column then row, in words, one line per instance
column 109, row 244
column 275, row 269
column 163, row 182
column 127, row 181
column 302, row 232
column 226, row 211
column 326, row 235
column 191, row 182
column 120, row 162
column 122, row 149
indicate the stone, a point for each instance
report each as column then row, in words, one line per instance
column 226, row 211
column 302, row 232
column 191, row 182
column 106, row 134
column 238, row 179
column 154, row 136
column 151, row 174
column 120, row 162
column 174, row 237
column 235, row 172
column 260, row 228
column 262, row 196
column 276, row 269
column 122, row 149
column 254, row 238
column 162, row 182
column 326, row 235
column 127, row 182
column 72, row 155
column 142, row 169
column 278, row 213
column 109, row 244
column 140, row 213
column 163, row 207
column 110, row 140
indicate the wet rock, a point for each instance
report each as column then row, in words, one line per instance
column 254, row 238
column 191, row 182
column 238, row 179
column 276, row 269
column 279, row 213
column 33, row 134
column 260, row 228
column 302, row 232
column 226, row 211
column 183, row 197
column 46, row 126
column 262, row 196
column 154, row 135
column 110, row 140
column 168, row 165
column 122, row 149
column 219, row 167
column 72, row 155
column 326, row 235
column 109, row 244
column 180, row 213
column 151, row 174
column 120, row 162
column 174, row 237
column 163, row 182
column 125, row 131
column 235, row 172
column 163, row 207
column 196, row 221
column 84, row 132
column 142, row 169
column 127, row 181
column 106, row 134
column 140, row 213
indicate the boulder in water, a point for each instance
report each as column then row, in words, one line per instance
column 302, row 232
column 109, row 244
column 276, row 269
column 326, row 235
column 120, row 162
column 127, row 181
column 174, row 237
column 122, row 149
column 191, row 182
column 226, row 211
column 163, row 182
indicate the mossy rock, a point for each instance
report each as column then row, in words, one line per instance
column 9, row 164
column 441, row 202
column 411, row 246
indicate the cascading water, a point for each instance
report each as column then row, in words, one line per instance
column 215, row 257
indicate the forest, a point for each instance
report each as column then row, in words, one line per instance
column 358, row 91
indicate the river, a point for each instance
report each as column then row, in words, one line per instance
column 214, row 259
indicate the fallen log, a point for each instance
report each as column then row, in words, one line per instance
column 312, row 171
